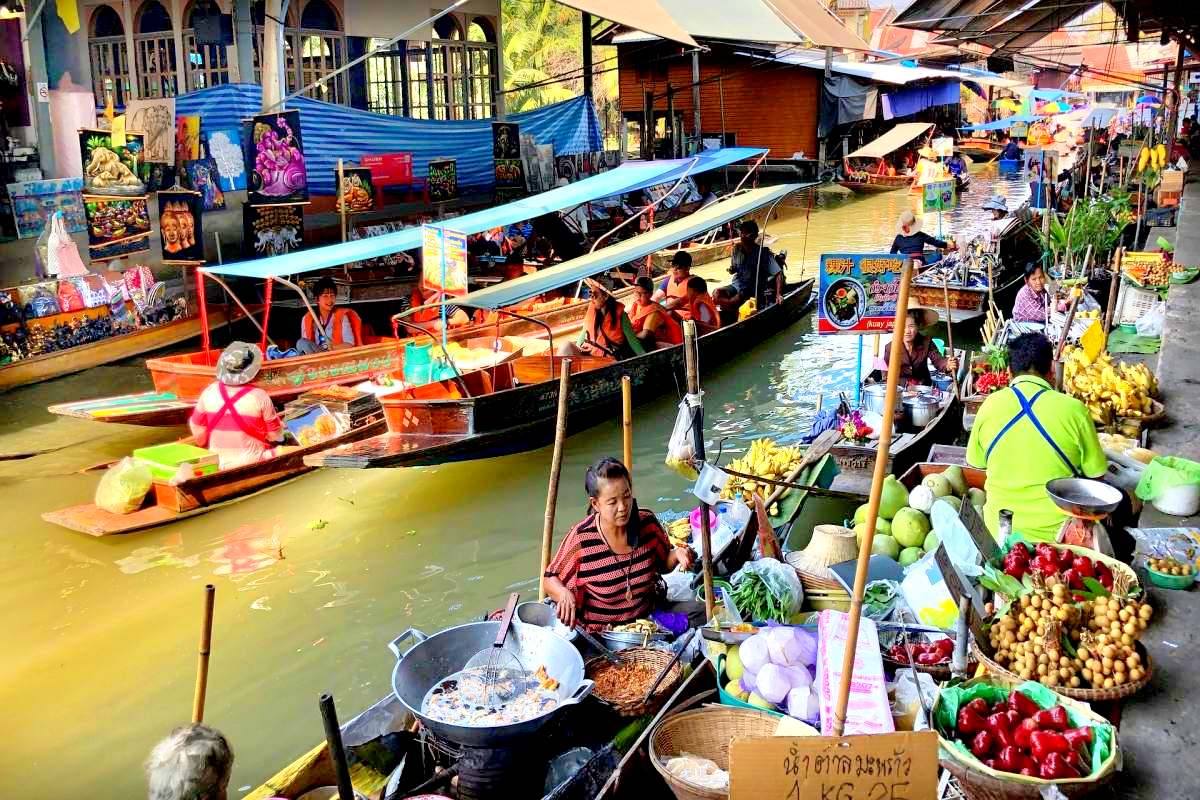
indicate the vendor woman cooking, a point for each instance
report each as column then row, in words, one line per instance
column 607, row 569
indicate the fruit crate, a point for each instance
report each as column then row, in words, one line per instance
column 1133, row 303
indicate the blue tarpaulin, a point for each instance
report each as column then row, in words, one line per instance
column 1006, row 123
column 910, row 100
column 332, row 131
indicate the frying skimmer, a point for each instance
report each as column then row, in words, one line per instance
column 495, row 673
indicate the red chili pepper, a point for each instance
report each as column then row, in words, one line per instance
column 969, row 721
column 1021, row 732
column 1043, row 743
column 1056, row 766
column 1052, row 719
column 1022, row 703
column 1078, row 737
column 983, row 744
column 1000, row 725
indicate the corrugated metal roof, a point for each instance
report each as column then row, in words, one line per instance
column 774, row 21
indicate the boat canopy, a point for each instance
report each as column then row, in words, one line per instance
column 892, row 141
column 724, row 210
column 1006, row 123
column 628, row 177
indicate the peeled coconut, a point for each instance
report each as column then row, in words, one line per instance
column 783, row 646
column 910, row 555
column 754, row 653
column 886, row 546
column 910, row 527
column 774, row 683
column 921, row 498
column 931, row 542
column 977, row 497
column 733, row 663
column 894, row 497
column 958, row 481
column 803, row 703
column 938, row 485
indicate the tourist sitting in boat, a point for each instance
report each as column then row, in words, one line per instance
column 232, row 419
column 700, row 306
column 653, row 325
column 193, row 763
column 911, row 240
column 1011, row 150
column 429, row 314
column 704, row 188
column 956, row 165
column 1029, row 434
column 885, row 168
column 607, row 331
column 339, row 327
column 756, row 273
column 607, row 569
column 919, row 351
column 565, row 243
column 672, row 291
column 1032, row 299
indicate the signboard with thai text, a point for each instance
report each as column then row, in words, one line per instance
column 389, row 169
column 444, row 260
column 857, row 293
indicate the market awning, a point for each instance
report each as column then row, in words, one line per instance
column 1006, row 25
column 630, row 176
column 884, row 72
column 794, row 22
column 892, row 141
column 1006, row 123
column 813, row 19
column 644, row 15
column 569, row 272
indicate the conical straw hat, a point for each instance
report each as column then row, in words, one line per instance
column 830, row 544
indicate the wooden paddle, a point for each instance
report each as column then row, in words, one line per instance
column 560, row 435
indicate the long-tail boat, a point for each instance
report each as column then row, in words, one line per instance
column 867, row 181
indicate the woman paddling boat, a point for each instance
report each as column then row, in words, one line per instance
column 911, row 240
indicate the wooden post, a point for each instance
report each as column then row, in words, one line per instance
column 210, row 593
column 949, row 329
column 881, row 463
column 1111, row 310
column 693, row 383
column 337, row 753
column 627, row 422
column 560, row 435
column 341, row 198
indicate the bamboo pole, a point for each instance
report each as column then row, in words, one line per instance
column 691, row 358
column 560, row 435
column 949, row 330
column 337, row 753
column 881, row 464
column 1111, row 310
column 627, row 422
column 1066, row 331
column 210, row 594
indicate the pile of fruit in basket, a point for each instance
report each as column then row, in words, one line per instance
column 991, row 371
column 926, row 654
column 1169, row 566
column 1047, row 560
column 1109, row 390
column 773, row 670
column 765, row 459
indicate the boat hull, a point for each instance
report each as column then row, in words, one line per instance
column 877, row 183
column 857, row 462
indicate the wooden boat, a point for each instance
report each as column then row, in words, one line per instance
column 705, row 253
column 436, row 423
column 105, row 351
column 169, row 503
column 984, row 149
column 869, row 183
column 857, row 462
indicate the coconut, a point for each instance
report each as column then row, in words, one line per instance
column 910, row 527
column 921, row 498
column 938, row 485
column 958, row 481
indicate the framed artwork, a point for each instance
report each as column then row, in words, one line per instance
column 357, row 190
column 187, row 139
column 272, row 230
column 275, row 168
column 506, row 140
column 34, row 203
column 155, row 119
column 443, row 180
column 117, row 226
column 112, row 171
column 225, row 148
column 179, row 227
column 162, row 176
column 204, row 178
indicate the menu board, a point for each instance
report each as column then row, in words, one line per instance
column 939, row 196
column 857, row 293
column 444, row 260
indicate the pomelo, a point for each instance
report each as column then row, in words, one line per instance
column 910, row 527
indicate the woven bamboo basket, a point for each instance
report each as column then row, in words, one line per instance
column 939, row 672
column 1081, row 694
column 649, row 656
column 706, row 732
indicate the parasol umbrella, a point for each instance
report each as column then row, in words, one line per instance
column 1148, row 100
column 1054, row 107
column 1008, row 104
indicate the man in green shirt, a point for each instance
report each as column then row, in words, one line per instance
column 1029, row 434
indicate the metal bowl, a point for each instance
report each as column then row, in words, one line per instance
column 1083, row 497
column 623, row 640
column 544, row 616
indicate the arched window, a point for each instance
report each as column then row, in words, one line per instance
column 154, row 45
column 461, row 70
column 109, row 55
column 207, row 64
column 290, row 36
column 481, row 68
column 314, row 49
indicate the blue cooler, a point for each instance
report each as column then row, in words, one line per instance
column 1009, row 166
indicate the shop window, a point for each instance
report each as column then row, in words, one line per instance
column 314, row 49
column 154, row 44
column 385, row 77
column 418, row 81
column 109, row 55
column 207, row 64
column 462, row 69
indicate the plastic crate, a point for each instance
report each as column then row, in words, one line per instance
column 1161, row 217
column 1134, row 303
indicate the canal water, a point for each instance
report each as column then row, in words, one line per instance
column 314, row 578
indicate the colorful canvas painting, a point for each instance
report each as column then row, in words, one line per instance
column 204, row 178
column 179, row 226
column 34, row 203
column 225, row 148
column 271, row 230
column 154, row 119
column 443, row 180
column 117, row 226
column 275, row 169
column 162, row 176
column 358, row 192
column 112, row 171
column 187, row 139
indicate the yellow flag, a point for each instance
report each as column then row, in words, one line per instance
column 118, row 131
column 1092, row 340
column 68, row 12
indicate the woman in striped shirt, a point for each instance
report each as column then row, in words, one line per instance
column 607, row 569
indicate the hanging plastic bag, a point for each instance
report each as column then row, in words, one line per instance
column 65, row 251
column 681, row 448
column 124, row 487
column 780, row 580
column 1152, row 322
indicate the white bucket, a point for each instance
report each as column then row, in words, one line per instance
column 1179, row 501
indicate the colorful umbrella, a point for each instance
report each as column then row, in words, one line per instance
column 1008, row 104
column 1148, row 100
column 1054, row 108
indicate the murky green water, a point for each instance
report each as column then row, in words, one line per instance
column 313, row 579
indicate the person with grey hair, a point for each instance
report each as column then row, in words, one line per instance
column 193, row 763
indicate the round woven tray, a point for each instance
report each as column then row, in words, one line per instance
column 1158, row 412
column 656, row 660
column 978, row 786
column 1086, row 695
column 705, row 732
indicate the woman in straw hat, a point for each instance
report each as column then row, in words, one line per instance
column 911, row 240
column 232, row 418
column 607, row 331
column 919, row 350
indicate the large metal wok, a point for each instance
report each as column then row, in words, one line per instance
column 435, row 657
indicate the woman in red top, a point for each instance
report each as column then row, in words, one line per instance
column 606, row 571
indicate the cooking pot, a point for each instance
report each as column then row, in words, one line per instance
column 921, row 409
column 436, row 657
column 873, row 395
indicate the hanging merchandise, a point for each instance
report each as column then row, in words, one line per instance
column 275, row 167
column 63, row 251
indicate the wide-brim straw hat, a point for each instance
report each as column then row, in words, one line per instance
column 239, row 364
column 830, row 544
column 928, row 316
column 913, row 226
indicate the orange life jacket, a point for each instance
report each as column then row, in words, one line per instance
column 704, row 300
column 671, row 331
column 611, row 334
column 678, row 291
column 433, row 312
column 339, row 315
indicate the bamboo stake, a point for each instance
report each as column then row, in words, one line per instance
column 627, row 422
column 949, row 330
column 210, row 593
column 560, row 435
column 1111, row 310
column 691, row 359
column 337, row 752
column 881, row 464
column 341, row 195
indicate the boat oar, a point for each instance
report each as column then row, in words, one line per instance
column 24, row 454
column 337, row 753
column 560, row 435
column 949, row 331
column 210, row 596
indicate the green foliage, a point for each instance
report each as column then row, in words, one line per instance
column 1096, row 222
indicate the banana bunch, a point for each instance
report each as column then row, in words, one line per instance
column 765, row 459
column 1109, row 390
column 679, row 531
column 1154, row 157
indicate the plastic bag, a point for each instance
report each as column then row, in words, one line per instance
column 1151, row 323
column 781, row 581
column 41, row 253
column 907, row 708
column 124, row 487
column 1166, row 472
column 679, row 586
column 681, row 448
column 63, row 251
